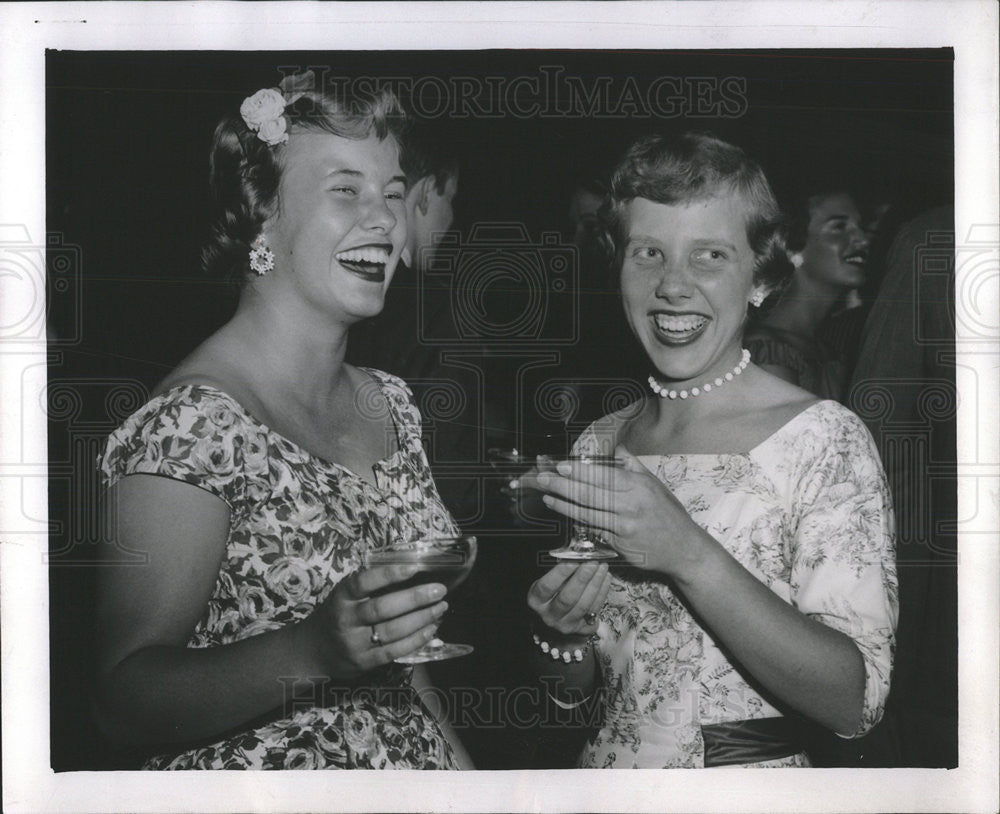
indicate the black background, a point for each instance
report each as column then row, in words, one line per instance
column 127, row 141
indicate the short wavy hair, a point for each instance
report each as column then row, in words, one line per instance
column 693, row 166
column 245, row 172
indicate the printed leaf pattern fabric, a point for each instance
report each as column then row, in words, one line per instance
column 808, row 512
column 298, row 526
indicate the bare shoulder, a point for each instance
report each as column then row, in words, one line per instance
column 771, row 392
column 769, row 404
column 213, row 364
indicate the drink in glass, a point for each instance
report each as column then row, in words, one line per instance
column 588, row 543
column 446, row 560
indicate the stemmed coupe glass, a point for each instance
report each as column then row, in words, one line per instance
column 588, row 543
column 447, row 560
column 514, row 456
column 511, row 463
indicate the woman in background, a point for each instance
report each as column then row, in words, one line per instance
column 829, row 250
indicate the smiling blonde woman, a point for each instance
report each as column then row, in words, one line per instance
column 755, row 585
column 264, row 470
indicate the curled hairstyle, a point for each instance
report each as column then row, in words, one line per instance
column 245, row 171
column 693, row 167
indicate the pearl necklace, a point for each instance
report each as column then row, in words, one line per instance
column 663, row 393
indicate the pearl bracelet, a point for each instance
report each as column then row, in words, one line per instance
column 565, row 655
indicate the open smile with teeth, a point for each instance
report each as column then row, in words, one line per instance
column 679, row 326
column 366, row 261
column 857, row 259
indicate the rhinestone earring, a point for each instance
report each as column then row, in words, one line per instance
column 261, row 256
column 758, row 298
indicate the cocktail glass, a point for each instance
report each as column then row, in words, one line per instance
column 589, row 543
column 447, row 560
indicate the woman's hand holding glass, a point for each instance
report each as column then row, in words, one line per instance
column 513, row 466
column 444, row 560
column 359, row 628
column 635, row 514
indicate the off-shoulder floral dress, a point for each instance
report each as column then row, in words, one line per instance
column 298, row 525
column 809, row 514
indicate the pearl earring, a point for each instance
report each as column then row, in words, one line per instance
column 261, row 256
column 796, row 260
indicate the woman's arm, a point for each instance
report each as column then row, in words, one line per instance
column 561, row 600
column 151, row 688
column 814, row 668
column 568, row 685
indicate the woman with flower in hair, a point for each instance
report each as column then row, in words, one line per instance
column 264, row 469
column 754, row 587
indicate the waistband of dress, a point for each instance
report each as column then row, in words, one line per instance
column 750, row 741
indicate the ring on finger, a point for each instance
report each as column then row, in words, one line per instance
column 590, row 617
column 375, row 639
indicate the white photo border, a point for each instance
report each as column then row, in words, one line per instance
column 969, row 26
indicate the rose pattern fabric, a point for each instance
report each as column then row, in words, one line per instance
column 298, row 526
column 808, row 512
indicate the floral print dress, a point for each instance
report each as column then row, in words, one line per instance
column 809, row 514
column 298, row 526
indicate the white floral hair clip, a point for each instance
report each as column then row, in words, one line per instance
column 264, row 114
